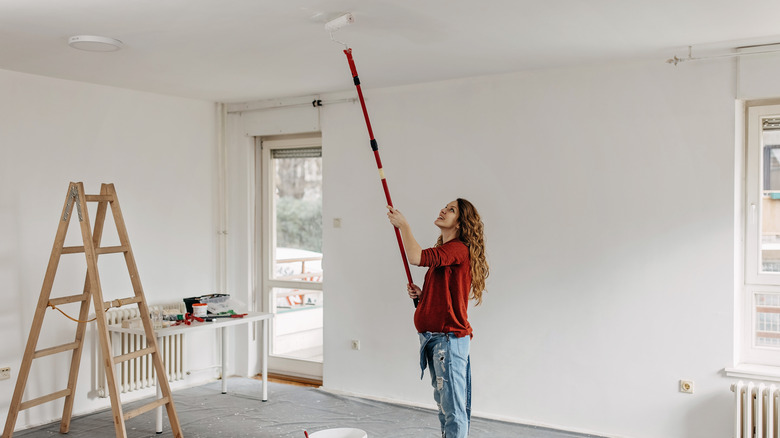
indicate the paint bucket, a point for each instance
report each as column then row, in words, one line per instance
column 343, row 432
column 199, row 309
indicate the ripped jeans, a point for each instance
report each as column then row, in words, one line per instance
column 447, row 359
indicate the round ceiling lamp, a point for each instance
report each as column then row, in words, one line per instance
column 93, row 43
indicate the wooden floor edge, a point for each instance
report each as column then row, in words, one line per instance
column 291, row 380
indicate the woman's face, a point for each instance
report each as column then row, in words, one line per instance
column 448, row 217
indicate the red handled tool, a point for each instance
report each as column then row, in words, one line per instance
column 375, row 148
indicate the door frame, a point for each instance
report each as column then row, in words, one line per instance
column 264, row 246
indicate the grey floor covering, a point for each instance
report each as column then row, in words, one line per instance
column 204, row 412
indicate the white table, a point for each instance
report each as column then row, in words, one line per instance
column 219, row 324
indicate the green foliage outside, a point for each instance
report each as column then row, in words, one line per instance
column 299, row 224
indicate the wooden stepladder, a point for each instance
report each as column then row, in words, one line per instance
column 92, row 293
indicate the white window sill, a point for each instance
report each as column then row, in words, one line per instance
column 757, row 372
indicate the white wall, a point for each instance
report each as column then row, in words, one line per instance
column 160, row 154
column 608, row 197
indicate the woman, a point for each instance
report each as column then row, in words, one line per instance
column 457, row 272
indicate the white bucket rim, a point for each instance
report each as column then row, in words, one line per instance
column 339, row 432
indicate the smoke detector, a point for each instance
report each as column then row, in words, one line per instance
column 92, row 43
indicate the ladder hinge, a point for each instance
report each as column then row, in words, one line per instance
column 73, row 196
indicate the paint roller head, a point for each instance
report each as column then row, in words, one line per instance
column 339, row 22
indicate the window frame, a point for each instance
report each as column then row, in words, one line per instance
column 755, row 281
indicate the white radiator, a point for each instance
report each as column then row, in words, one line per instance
column 755, row 410
column 139, row 373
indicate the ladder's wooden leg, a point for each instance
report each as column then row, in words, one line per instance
column 165, row 390
column 67, row 411
column 40, row 311
column 75, row 362
column 97, row 297
column 132, row 268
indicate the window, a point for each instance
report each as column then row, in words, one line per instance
column 760, row 316
column 297, row 209
column 291, row 191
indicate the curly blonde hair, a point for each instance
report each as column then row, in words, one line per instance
column 471, row 233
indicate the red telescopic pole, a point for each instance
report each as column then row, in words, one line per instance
column 375, row 148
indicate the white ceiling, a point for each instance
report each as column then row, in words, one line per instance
column 244, row 50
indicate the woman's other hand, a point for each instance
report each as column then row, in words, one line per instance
column 414, row 291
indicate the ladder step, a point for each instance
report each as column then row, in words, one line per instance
column 68, row 300
column 99, row 198
column 133, row 355
column 110, row 249
column 102, row 250
column 44, row 399
column 121, row 302
column 55, row 350
column 146, row 408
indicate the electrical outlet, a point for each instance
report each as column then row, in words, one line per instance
column 686, row 386
column 5, row 373
column 355, row 344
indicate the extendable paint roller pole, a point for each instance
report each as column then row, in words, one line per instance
column 332, row 26
column 375, row 148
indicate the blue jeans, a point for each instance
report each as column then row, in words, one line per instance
column 447, row 359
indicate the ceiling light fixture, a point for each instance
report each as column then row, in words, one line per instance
column 93, row 43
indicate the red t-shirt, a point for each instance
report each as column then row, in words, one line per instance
column 443, row 307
